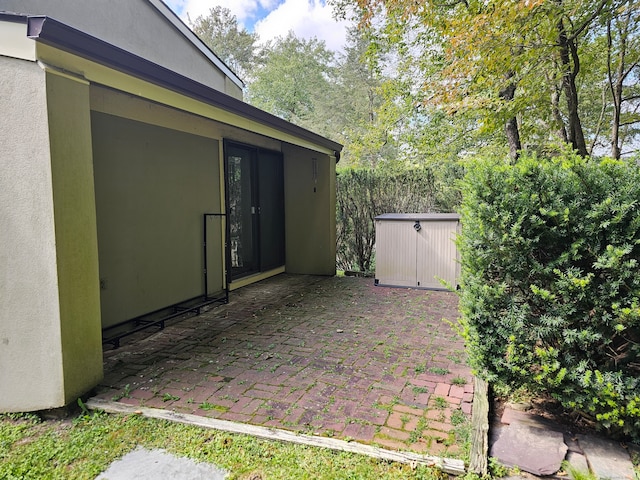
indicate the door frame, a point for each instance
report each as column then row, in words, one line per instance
column 255, row 153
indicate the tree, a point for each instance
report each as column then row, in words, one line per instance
column 365, row 124
column 292, row 78
column 623, row 71
column 220, row 31
column 517, row 65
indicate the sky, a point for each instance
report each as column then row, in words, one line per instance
column 273, row 18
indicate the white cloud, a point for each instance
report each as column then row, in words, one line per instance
column 244, row 10
column 307, row 18
column 273, row 18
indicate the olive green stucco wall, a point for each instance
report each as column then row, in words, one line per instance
column 75, row 232
column 50, row 339
column 153, row 186
column 309, row 211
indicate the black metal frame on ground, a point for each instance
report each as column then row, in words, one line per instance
column 193, row 306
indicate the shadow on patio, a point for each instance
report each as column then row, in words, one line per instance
column 335, row 357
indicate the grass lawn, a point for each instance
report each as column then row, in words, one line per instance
column 82, row 448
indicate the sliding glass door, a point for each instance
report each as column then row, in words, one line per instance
column 255, row 208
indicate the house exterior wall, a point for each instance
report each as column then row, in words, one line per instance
column 310, row 208
column 138, row 35
column 14, row 41
column 75, row 233
column 153, row 185
column 83, row 145
column 49, row 322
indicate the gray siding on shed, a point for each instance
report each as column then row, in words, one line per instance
column 417, row 250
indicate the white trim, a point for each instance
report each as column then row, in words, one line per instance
column 447, row 465
column 14, row 41
column 193, row 38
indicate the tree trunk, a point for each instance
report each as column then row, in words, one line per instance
column 555, row 109
column 511, row 127
column 570, row 64
column 616, row 79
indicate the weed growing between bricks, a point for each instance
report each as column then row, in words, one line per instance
column 334, row 356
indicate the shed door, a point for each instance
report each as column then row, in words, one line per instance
column 436, row 254
column 396, row 253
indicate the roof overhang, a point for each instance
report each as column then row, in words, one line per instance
column 48, row 31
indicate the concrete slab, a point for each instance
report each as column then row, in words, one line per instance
column 607, row 458
column 143, row 464
column 531, row 449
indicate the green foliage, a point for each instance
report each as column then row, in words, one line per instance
column 576, row 473
column 557, row 71
column 292, row 79
column 220, row 31
column 550, row 287
column 364, row 193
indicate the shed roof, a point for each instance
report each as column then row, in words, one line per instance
column 426, row 217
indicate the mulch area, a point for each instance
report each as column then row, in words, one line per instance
column 319, row 355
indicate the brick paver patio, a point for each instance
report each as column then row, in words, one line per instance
column 328, row 356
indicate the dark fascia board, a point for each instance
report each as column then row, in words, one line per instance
column 59, row 35
column 13, row 17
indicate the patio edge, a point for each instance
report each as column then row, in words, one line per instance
column 480, row 428
column 447, row 465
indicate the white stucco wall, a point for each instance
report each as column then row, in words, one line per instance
column 30, row 338
column 133, row 25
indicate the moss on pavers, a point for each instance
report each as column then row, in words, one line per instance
column 341, row 357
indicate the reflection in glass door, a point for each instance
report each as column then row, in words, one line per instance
column 242, row 211
column 255, row 203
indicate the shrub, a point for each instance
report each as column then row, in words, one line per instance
column 364, row 193
column 550, row 293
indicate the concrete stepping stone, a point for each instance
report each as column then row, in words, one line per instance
column 607, row 458
column 143, row 464
column 531, row 449
column 511, row 416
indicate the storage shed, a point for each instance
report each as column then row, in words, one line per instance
column 417, row 250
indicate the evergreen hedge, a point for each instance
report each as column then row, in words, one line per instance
column 364, row 193
column 550, row 294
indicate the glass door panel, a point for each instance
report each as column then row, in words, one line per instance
column 255, row 204
column 241, row 211
column 271, row 208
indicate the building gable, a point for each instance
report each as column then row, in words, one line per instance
column 146, row 28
